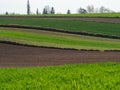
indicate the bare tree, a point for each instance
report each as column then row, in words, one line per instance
column 28, row 7
column 82, row 10
column 102, row 9
column 105, row 10
column 90, row 9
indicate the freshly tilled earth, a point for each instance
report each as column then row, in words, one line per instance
column 23, row 56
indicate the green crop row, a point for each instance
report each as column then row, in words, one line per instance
column 68, row 25
column 102, row 76
column 113, row 15
column 57, row 41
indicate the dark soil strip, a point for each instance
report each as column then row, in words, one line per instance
column 96, row 19
column 102, row 19
column 57, row 30
column 15, row 43
column 23, row 56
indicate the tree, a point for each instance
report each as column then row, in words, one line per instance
column 102, row 9
column 90, row 9
column 82, row 10
column 68, row 11
column 46, row 10
column 52, row 10
column 6, row 13
column 105, row 10
column 28, row 7
column 37, row 11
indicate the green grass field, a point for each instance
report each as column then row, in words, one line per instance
column 102, row 76
column 58, row 40
column 69, row 25
column 112, row 15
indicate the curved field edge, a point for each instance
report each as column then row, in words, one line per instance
column 98, row 76
column 59, row 30
column 112, row 29
column 39, row 31
column 57, row 41
column 52, row 47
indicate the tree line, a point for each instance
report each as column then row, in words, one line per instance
column 51, row 10
column 89, row 9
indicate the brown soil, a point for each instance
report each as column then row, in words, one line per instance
column 96, row 19
column 23, row 56
column 111, row 20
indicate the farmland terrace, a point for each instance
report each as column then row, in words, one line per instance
column 74, row 26
column 23, row 56
column 96, row 19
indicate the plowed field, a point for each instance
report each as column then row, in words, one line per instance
column 23, row 56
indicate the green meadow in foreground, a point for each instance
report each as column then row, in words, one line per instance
column 57, row 41
column 102, row 76
column 69, row 25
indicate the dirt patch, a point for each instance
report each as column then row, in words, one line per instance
column 23, row 56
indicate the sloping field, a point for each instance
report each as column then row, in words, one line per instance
column 103, row 76
column 22, row 56
column 66, row 25
column 58, row 40
column 80, row 76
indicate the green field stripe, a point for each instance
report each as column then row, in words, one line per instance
column 66, row 25
column 107, row 15
column 57, row 41
column 66, row 35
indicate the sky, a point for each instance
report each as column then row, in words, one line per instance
column 61, row 6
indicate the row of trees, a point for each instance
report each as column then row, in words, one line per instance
column 46, row 10
column 51, row 10
column 102, row 9
column 90, row 9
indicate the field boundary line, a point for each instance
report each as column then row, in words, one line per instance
column 59, row 16
column 27, row 45
column 60, row 30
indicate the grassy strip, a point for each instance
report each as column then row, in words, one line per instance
column 66, row 35
column 59, row 30
column 113, row 15
column 102, row 76
column 57, row 41
column 66, row 25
